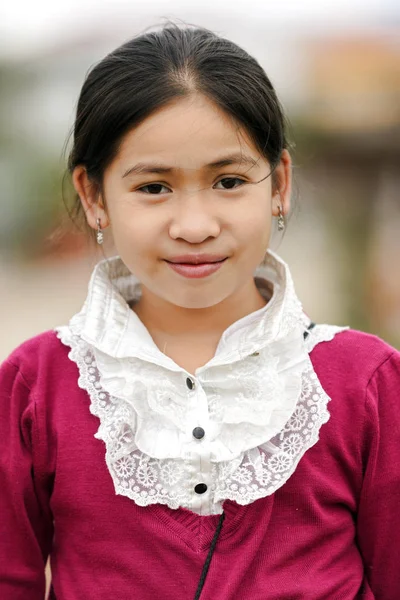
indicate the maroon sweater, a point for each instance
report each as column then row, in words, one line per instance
column 331, row 532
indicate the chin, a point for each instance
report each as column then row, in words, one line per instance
column 197, row 301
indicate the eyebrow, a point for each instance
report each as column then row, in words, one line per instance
column 232, row 159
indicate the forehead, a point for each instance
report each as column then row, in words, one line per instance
column 188, row 133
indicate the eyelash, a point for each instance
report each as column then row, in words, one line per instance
column 242, row 182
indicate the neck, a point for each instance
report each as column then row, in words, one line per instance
column 162, row 317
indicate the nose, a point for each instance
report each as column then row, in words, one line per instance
column 194, row 220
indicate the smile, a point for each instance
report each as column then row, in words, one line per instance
column 195, row 271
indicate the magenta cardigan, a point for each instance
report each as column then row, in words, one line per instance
column 331, row 532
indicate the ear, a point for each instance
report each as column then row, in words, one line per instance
column 283, row 192
column 90, row 196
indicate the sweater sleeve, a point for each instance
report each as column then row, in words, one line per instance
column 26, row 527
column 378, row 523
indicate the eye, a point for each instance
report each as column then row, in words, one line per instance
column 230, row 183
column 153, row 188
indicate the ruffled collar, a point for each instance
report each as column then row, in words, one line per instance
column 107, row 322
column 258, row 401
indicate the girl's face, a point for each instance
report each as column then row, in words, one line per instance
column 184, row 182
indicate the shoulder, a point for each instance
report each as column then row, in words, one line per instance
column 348, row 363
column 360, row 373
column 365, row 344
column 26, row 373
column 41, row 353
column 354, row 352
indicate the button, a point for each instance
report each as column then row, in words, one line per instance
column 200, row 488
column 190, row 383
column 198, row 433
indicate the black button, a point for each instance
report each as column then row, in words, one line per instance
column 198, row 433
column 190, row 383
column 200, row 488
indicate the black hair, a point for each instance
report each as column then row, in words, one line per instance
column 157, row 67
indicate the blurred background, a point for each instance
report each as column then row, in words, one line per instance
column 336, row 68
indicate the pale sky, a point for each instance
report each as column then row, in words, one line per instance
column 26, row 24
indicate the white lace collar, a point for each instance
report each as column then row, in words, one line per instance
column 108, row 323
column 258, row 400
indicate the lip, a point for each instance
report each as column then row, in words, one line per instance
column 196, row 259
column 196, row 270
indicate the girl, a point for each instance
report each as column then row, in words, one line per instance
column 190, row 433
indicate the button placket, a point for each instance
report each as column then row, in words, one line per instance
column 200, row 479
column 199, row 417
column 198, row 432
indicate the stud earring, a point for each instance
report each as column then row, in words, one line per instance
column 281, row 219
column 99, row 233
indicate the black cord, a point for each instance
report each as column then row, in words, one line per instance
column 307, row 333
column 209, row 557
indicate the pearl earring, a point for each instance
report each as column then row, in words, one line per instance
column 99, row 233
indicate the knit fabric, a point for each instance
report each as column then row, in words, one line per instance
column 329, row 533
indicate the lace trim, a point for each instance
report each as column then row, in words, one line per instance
column 254, row 474
column 265, row 469
column 322, row 333
column 141, row 478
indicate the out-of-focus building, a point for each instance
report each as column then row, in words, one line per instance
column 354, row 84
column 353, row 115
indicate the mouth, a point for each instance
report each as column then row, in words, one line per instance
column 196, row 259
column 195, row 270
column 196, row 263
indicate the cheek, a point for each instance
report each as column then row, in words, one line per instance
column 132, row 226
column 253, row 225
